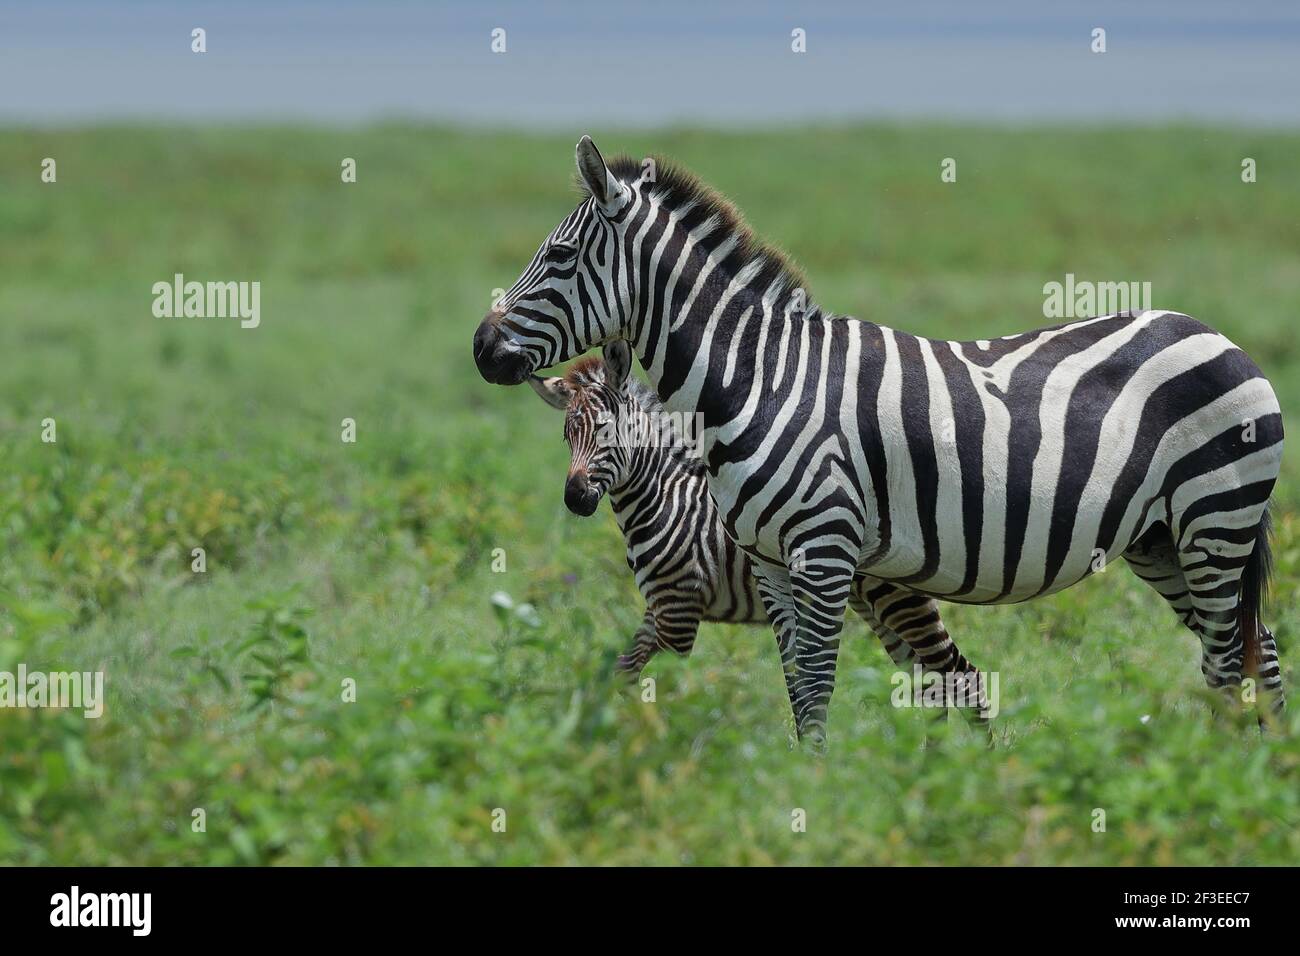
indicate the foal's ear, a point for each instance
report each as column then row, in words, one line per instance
column 618, row 363
column 596, row 177
column 555, row 392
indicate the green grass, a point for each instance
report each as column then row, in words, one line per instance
column 373, row 561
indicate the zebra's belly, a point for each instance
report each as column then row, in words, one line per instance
column 1000, row 565
column 991, row 586
column 1008, row 562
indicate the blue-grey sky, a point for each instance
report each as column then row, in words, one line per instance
column 649, row 62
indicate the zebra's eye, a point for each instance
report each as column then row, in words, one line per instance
column 561, row 252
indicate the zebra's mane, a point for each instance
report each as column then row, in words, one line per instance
column 678, row 188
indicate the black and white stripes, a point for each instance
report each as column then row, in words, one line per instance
column 839, row 450
column 685, row 565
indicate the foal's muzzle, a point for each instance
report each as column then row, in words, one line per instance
column 498, row 361
column 580, row 497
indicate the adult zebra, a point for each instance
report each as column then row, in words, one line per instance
column 978, row 472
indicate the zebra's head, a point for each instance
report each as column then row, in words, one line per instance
column 567, row 300
column 592, row 395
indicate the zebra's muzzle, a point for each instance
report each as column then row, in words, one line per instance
column 498, row 361
column 580, row 497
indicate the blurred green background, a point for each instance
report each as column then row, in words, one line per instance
column 373, row 561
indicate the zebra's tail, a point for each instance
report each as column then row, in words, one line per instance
column 1254, row 586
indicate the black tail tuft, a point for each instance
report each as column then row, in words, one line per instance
column 1254, row 586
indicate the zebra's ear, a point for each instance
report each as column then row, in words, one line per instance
column 618, row 363
column 596, row 177
column 555, row 392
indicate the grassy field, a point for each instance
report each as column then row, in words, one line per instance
column 372, row 562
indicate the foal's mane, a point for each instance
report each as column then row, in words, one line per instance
column 586, row 371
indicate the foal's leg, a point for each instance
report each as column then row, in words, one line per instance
column 644, row 646
column 669, row 625
column 778, row 603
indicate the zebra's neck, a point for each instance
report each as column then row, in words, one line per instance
column 712, row 303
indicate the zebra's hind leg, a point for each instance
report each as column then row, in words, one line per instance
column 915, row 618
column 899, row 651
column 1222, row 546
column 1214, row 597
column 1155, row 560
column 778, row 603
column 1195, row 589
column 1270, row 671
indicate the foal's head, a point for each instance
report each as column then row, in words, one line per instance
column 595, row 397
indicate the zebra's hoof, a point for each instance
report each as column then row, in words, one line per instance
column 813, row 741
column 629, row 666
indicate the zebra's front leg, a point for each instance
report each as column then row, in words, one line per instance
column 820, row 585
column 644, row 645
